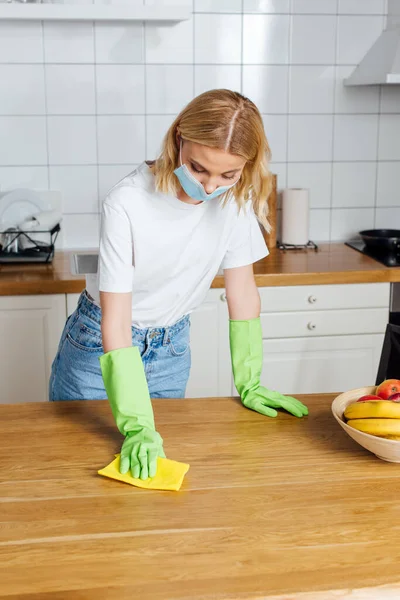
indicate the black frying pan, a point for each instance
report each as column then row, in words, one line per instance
column 382, row 239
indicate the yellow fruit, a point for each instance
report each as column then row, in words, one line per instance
column 373, row 409
column 379, row 427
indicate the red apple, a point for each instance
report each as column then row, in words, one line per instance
column 387, row 388
column 395, row 397
column 368, row 397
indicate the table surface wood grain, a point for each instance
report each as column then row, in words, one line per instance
column 334, row 263
column 279, row 508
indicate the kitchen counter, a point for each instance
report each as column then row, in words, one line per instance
column 333, row 263
column 278, row 509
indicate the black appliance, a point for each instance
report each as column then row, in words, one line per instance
column 389, row 258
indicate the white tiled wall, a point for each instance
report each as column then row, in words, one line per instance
column 81, row 103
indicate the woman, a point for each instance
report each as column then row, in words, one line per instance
column 166, row 230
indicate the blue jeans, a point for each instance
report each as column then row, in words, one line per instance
column 76, row 373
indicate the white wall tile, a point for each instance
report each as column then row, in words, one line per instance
column 35, row 178
column 355, row 137
column 110, row 175
column 72, row 140
column 266, row 39
column 388, row 184
column 22, row 90
column 362, row 7
column 313, row 40
column 267, row 87
column 390, row 98
column 183, row 3
column 316, row 177
column 23, row 141
column 170, row 44
column 356, row 35
column 121, row 139
column 320, row 224
column 347, row 222
column 210, row 77
column 315, row 7
column 216, row 6
column 120, row 89
column 310, row 138
column 217, row 39
column 168, row 88
column 389, row 137
column 354, row 99
column 353, row 184
column 387, row 218
column 81, row 231
column 119, row 43
column 157, row 127
column 311, row 89
column 135, row 3
column 70, row 42
column 21, row 42
column 266, row 6
column 70, row 89
column 78, row 186
column 276, row 131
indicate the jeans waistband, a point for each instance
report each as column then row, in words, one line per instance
column 87, row 306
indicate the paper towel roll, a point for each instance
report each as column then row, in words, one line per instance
column 295, row 216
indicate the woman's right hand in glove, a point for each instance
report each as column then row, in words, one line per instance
column 139, row 452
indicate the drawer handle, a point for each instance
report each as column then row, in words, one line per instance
column 312, row 299
column 311, row 326
column 223, row 297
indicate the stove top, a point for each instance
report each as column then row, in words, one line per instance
column 386, row 258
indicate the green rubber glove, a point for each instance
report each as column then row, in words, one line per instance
column 128, row 394
column 247, row 355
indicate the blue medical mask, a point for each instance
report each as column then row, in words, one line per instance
column 194, row 188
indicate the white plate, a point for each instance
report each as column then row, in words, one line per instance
column 18, row 205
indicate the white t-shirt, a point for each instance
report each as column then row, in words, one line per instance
column 167, row 252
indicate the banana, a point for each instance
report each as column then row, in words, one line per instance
column 389, row 428
column 373, row 409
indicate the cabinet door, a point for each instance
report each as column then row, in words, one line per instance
column 320, row 364
column 30, row 330
column 72, row 301
column 210, row 372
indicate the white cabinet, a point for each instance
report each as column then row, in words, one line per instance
column 210, row 374
column 320, row 364
column 324, row 338
column 72, row 302
column 30, row 329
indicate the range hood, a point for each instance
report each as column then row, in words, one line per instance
column 381, row 64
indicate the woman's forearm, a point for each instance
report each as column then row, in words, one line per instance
column 242, row 294
column 116, row 320
column 115, row 335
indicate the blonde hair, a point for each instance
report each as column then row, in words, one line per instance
column 231, row 122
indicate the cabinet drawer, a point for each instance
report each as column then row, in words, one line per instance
column 324, row 322
column 322, row 297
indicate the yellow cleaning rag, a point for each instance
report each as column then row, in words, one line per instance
column 169, row 476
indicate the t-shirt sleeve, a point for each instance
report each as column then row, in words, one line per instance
column 247, row 244
column 116, row 250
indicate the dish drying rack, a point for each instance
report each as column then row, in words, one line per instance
column 12, row 252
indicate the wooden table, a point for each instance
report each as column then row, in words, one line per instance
column 271, row 508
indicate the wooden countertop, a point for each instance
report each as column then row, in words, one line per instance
column 282, row 509
column 333, row 263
